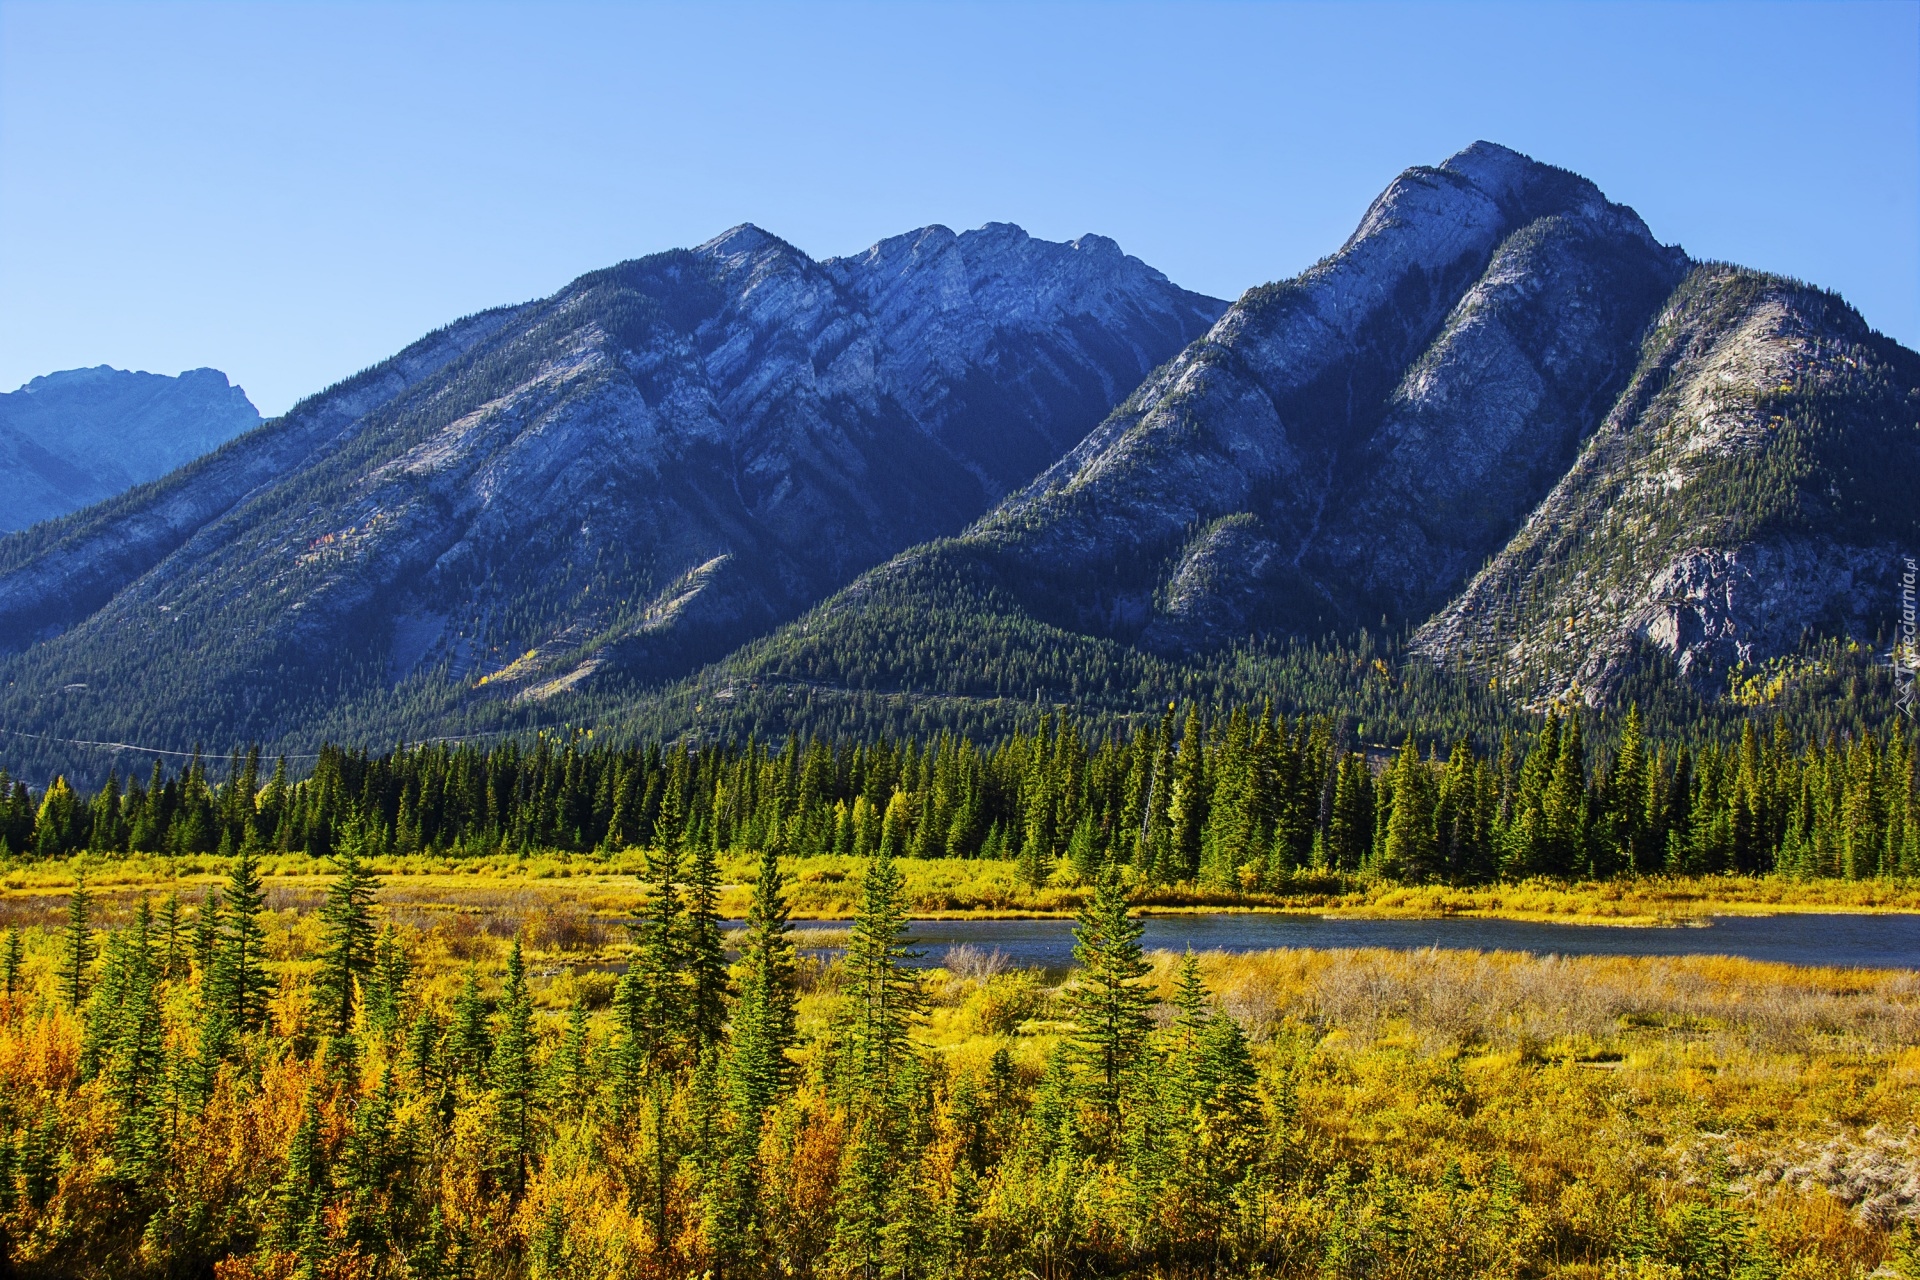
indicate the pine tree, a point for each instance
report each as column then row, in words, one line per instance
column 1626, row 790
column 1564, row 805
column 513, row 1082
column 346, row 921
column 300, row 1196
column 13, row 961
column 240, row 984
column 1350, row 824
column 1187, row 808
column 657, row 970
column 373, row 1170
column 469, row 1046
column 40, row 1158
column 1108, row 1002
column 386, row 995
column 1409, row 852
column 136, row 1054
column 78, row 945
column 706, row 953
column 206, row 932
column 171, row 958
column 569, row 1078
column 763, row 1023
column 883, row 991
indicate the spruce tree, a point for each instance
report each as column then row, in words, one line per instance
column 206, row 932
column 386, row 996
column 300, row 1197
column 763, row 1022
column 706, row 953
column 13, row 961
column 1108, row 1002
column 1564, row 805
column 762, row 1029
column 136, row 1055
column 348, row 939
column 569, row 1077
column 658, row 967
column 1187, row 808
column 633, row 1043
column 240, row 981
column 513, row 1080
column 1626, row 795
column 883, row 991
column 77, row 952
column 1409, row 852
column 171, row 956
column 469, row 1046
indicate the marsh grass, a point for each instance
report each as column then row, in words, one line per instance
column 1626, row 1100
column 609, row 889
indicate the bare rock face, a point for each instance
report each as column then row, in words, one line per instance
column 1355, row 442
column 1751, row 488
column 618, row 482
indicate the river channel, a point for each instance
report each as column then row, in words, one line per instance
column 1841, row 941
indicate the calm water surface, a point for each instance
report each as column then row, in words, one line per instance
column 1863, row 941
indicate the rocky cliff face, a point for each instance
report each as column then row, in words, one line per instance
column 1357, row 441
column 1754, row 486
column 74, row 438
column 630, row 477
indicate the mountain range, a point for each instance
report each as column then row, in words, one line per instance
column 74, row 438
column 1502, row 431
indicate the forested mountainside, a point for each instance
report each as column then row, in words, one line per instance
column 632, row 476
column 79, row 436
column 1503, row 451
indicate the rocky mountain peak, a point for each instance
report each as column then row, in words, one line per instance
column 78, row 436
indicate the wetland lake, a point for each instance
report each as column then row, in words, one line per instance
column 1836, row 940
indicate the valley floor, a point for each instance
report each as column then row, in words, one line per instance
column 608, row 889
column 1404, row 1114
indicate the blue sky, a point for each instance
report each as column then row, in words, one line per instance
column 290, row 192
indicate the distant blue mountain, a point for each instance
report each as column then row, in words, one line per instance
column 71, row 439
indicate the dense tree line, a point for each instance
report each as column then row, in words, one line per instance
column 1236, row 799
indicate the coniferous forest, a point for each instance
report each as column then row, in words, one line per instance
column 1225, row 799
column 203, row 1081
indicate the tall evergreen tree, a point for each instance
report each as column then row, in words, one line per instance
column 706, row 952
column 469, row 1045
column 300, row 1197
column 240, row 983
column 763, row 1022
column 206, row 932
column 883, row 991
column 77, row 950
column 1108, row 1002
column 346, row 922
column 135, row 1056
column 658, row 968
column 1187, row 807
column 13, row 961
column 513, row 1079
column 172, row 957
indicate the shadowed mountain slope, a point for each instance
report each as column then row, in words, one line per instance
column 625, row 479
